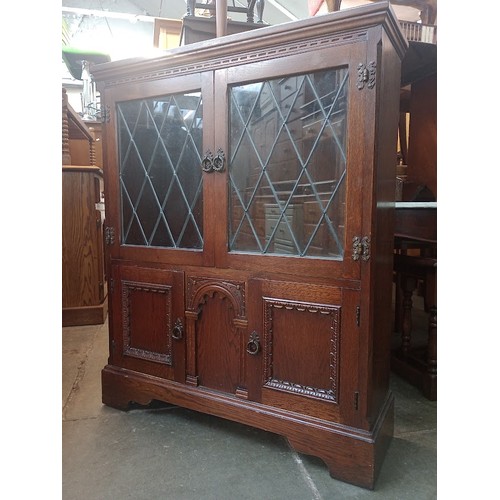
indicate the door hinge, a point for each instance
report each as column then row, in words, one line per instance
column 111, row 285
column 367, row 75
column 358, row 315
column 113, row 345
column 105, row 114
column 361, row 248
column 356, row 400
column 109, row 235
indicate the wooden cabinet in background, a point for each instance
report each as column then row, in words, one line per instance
column 422, row 146
column 250, row 188
column 95, row 128
column 84, row 296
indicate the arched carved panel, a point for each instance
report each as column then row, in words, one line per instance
column 199, row 289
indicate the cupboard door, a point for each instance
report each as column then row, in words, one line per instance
column 295, row 158
column 156, row 184
column 216, row 329
column 148, row 321
column 307, row 339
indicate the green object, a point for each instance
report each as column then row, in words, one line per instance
column 73, row 59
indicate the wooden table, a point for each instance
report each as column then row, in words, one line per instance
column 415, row 264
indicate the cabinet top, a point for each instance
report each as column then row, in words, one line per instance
column 341, row 27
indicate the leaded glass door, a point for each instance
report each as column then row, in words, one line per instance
column 159, row 183
column 293, row 169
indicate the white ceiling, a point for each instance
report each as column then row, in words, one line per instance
column 124, row 28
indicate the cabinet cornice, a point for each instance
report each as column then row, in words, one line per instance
column 265, row 43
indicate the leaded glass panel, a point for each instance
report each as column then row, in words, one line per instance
column 159, row 145
column 287, row 165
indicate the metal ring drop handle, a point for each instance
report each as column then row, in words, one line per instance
column 207, row 164
column 218, row 161
column 177, row 330
column 253, row 344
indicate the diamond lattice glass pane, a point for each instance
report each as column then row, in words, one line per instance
column 160, row 143
column 287, row 165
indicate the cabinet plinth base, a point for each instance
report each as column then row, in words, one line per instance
column 85, row 315
column 351, row 455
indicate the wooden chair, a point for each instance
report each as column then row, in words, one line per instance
column 417, row 364
column 415, row 269
column 191, row 5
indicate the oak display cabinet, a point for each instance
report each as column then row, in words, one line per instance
column 250, row 209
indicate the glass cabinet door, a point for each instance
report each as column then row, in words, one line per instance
column 292, row 179
column 159, row 148
column 158, row 180
column 287, row 151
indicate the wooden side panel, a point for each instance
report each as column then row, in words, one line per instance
column 80, row 152
column 376, row 318
column 82, row 268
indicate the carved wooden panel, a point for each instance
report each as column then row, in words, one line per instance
column 301, row 342
column 236, row 56
column 200, row 288
column 147, row 321
column 216, row 326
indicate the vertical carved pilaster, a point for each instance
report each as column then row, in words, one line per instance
column 241, row 326
column 191, row 377
column 92, row 152
column 66, row 157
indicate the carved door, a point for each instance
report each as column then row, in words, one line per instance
column 303, row 343
column 216, row 332
column 147, row 321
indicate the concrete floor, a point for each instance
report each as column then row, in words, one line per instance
column 176, row 454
